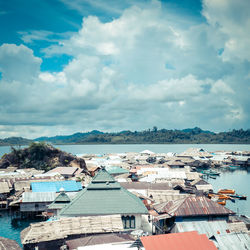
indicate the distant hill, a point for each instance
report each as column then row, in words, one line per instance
column 154, row 136
column 196, row 131
column 14, row 141
column 62, row 139
column 190, row 135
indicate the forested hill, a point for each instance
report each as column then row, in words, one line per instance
column 11, row 141
column 188, row 136
column 195, row 135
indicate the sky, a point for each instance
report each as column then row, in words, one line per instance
column 71, row 66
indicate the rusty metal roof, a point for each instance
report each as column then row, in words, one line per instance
column 192, row 206
column 178, row 241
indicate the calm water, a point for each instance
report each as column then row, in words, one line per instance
column 157, row 148
column 238, row 180
column 11, row 229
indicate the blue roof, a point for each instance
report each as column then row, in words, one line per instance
column 55, row 186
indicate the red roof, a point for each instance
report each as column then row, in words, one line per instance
column 178, row 241
column 192, row 206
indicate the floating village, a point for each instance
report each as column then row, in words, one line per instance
column 143, row 200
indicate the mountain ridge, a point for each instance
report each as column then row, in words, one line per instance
column 154, row 136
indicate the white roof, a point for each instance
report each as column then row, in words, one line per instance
column 162, row 173
column 38, row 197
column 147, row 152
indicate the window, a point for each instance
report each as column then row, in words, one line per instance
column 132, row 221
column 128, row 221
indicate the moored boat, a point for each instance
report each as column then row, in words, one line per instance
column 210, row 172
column 226, row 191
column 222, row 202
column 240, row 197
column 219, row 196
column 233, row 166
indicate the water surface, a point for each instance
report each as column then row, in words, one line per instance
column 239, row 181
column 157, row 148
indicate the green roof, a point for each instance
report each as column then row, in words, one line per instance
column 116, row 170
column 103, row 176
column 104, row 197
column 60, row 201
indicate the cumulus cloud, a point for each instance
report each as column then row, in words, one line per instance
column 18, row 63
column 136, row 71
column 232, row 19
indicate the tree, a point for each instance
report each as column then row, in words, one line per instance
column 155, row 129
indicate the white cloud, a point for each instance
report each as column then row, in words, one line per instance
column 232, row 19
column 139, row 70
column 18, row 63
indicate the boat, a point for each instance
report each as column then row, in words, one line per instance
column 240, row 197
column 233, row 166
column 212, row 177
column 219, row 196
column 226, row 191
column 222, row 202
column 210, row 172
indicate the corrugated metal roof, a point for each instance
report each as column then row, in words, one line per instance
column 55, row 186
column 62, row 197
column 98, row 239
column 146, row 185
column 178, row 241
column 116, row 170
column 165, row 197
column 209, row 228
column 233, row 241
column 38, row 197
column 64, row 170
column 103, row 176
column 162, row 173
column 193, row 206
column 61, row 201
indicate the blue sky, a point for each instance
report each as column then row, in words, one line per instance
column 68, row 66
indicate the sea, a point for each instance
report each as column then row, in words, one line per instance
column 237, row 179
